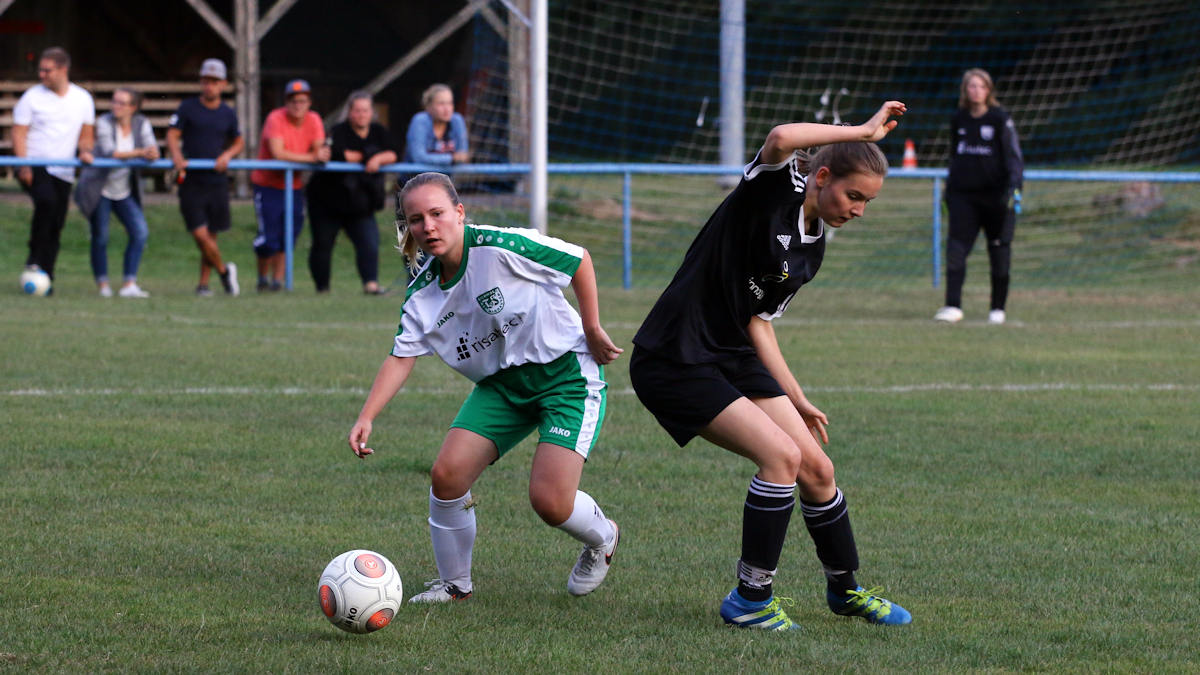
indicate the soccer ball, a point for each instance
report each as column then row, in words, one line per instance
column 35, row 282
column 360, row 591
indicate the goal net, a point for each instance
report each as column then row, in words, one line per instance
column 1097, row 85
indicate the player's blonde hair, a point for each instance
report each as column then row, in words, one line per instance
column 844, row 159
column 405, row 241
column 987, row 81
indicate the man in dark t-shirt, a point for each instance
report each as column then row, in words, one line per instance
column 205, row 128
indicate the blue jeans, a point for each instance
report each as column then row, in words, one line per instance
column 130, row 214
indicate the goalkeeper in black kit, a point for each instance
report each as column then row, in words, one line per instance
column 983, row 192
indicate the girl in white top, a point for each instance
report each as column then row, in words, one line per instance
column 488, row 301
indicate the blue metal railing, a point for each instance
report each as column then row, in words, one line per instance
column 625, row 170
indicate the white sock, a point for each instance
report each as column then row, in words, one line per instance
column 452, row 529
column 587, row 522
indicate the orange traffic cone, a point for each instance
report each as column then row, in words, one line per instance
column 910, row 155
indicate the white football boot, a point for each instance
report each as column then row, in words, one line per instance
column 593, row 564
column 996, row 316
column 439, row 591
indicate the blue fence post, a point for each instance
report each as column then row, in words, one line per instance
column 627, row 230
column 288, row 226
column 937, row 231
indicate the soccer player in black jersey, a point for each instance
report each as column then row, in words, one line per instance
column 706, row 361
column 983, row 191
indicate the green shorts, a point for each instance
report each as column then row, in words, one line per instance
column 564, row 400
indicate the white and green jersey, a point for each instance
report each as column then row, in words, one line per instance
column 504, row 307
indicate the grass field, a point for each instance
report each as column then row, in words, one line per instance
column 174, row 479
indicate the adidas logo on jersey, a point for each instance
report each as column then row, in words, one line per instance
column 785, row 239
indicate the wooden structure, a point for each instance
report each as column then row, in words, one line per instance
column 250, row 24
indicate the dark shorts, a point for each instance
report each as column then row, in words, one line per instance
column 205, row 204
column 270, row 205
column 685, row 397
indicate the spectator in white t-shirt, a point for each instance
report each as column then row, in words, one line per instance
column 52, row 120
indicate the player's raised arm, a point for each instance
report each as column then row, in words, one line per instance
column 785, row 139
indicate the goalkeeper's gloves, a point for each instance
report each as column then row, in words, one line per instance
column 1014, row 201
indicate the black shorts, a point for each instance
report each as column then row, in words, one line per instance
column 685, row 397
column 205, row 204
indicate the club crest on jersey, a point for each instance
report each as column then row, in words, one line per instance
column 986, row 132
column 785, row 239
column 492, row 301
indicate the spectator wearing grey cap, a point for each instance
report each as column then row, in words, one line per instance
column 205, row 128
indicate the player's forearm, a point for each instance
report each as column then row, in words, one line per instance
column 392, row 375
column 766, row 345
column 785, row 139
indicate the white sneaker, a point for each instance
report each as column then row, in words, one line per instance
column 996, row 316
column 949, row 314
column 130, row 291
column 593, row 564
column 231, row 281
column 106, row 291
column 439, row 591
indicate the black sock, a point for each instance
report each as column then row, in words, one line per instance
column 765, row 519
column 829, row 526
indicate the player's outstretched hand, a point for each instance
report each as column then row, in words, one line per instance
column 602, row 347
column 359, row 436
column 879, row 125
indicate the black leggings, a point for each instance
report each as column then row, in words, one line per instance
column 969, row 213
column 363, row 233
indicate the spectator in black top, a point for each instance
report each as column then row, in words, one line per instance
column 983, row 191
column 348, row 201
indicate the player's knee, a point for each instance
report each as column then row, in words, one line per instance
column 782, row 464
column 553, row 508
column 447, row 481
column 816, row 475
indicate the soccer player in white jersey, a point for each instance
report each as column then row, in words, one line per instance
column 706, row 361
column 488, row 301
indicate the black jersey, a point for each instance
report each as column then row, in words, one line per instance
column 984, row 153
column 749, row 260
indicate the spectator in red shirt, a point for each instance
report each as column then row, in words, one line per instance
column 293, row 133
